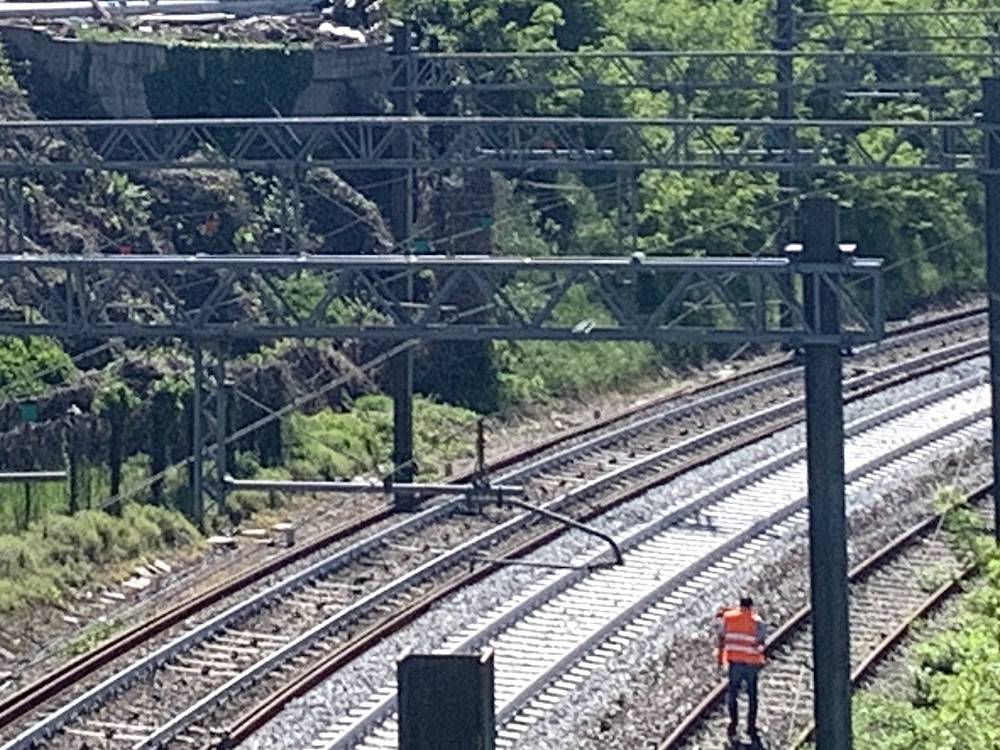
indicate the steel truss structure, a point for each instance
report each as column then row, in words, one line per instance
column 496, row 143
column 224, row 298
column 977, row 28
column 209, row 301
column 211, row 397
column 687, row 74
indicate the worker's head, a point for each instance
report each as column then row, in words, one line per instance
column 746, row 602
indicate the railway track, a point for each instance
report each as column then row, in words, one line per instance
column 233, row 650
column 574, row 622
column 891, row 590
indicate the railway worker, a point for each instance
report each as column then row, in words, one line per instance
column 741, row 636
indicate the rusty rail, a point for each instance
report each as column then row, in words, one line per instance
column 33, row 696
column 799, row 619
column 259, row 715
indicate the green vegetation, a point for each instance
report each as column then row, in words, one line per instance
column 358, row 441
column 30, row 366
column 954, row 698
column 92, row 636
column 928, row 229
column 534, row 370
column 62, row 553
column 956, row 690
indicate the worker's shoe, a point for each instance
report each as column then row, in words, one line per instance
column 731, row 731
column 754, row 737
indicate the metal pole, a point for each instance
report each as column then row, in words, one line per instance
column 73, row 462
column 7, row 209
column 401, row 366
column 197, row 439
column 827, row 522
column 991, row 116
column 221, row 427
column 784, row 41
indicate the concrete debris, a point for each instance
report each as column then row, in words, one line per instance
column 341, row 22
column 342, row 32
column 137, row 583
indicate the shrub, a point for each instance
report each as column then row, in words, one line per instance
column 332, row 444
column 62, row 552
column 29, row 365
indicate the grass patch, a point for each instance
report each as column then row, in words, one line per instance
column 18, row 509
column 532, row 371
column 92, row 636
column 332, row 444
column 62, row 553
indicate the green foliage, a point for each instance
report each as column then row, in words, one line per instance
column 92, row 636
column 29, row 366
column 265, row 228
column 536, row 370
column 956, row 698
column 8, row 84
column 506, row 24
column 242, row 504
column 927, row 228
column 61, row 553
column 126, row 204
column 115, row 399
column 331, row 444
column 963, row 524
column 304, row 291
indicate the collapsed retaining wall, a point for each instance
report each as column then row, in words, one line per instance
column 77, row 78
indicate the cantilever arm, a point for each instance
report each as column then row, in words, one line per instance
column 615, row 549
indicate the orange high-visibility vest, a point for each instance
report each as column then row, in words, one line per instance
column 740, row 644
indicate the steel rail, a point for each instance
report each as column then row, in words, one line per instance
column 52, row 684
column 15, row 705
column 800, row 618
column 889, row 643
column 32, row 696
column 255, row 718
column 261, row 667
column 365, row 724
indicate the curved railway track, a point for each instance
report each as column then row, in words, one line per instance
column 890, row 592
column 575, row 621
column 604, row 465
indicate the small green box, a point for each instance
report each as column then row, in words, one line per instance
column 28, row 411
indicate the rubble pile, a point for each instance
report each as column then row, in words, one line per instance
column 337, row 22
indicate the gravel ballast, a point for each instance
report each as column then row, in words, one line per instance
column 676, row 644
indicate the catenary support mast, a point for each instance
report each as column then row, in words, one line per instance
column 400, row 368
column 827, row 522
column 991, row 116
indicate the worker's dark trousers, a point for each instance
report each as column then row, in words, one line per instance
column 740, row 675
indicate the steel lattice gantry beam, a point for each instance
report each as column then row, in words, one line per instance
column 690, row 73
column 575, row 144
column 977, row 28
column 206, row 299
